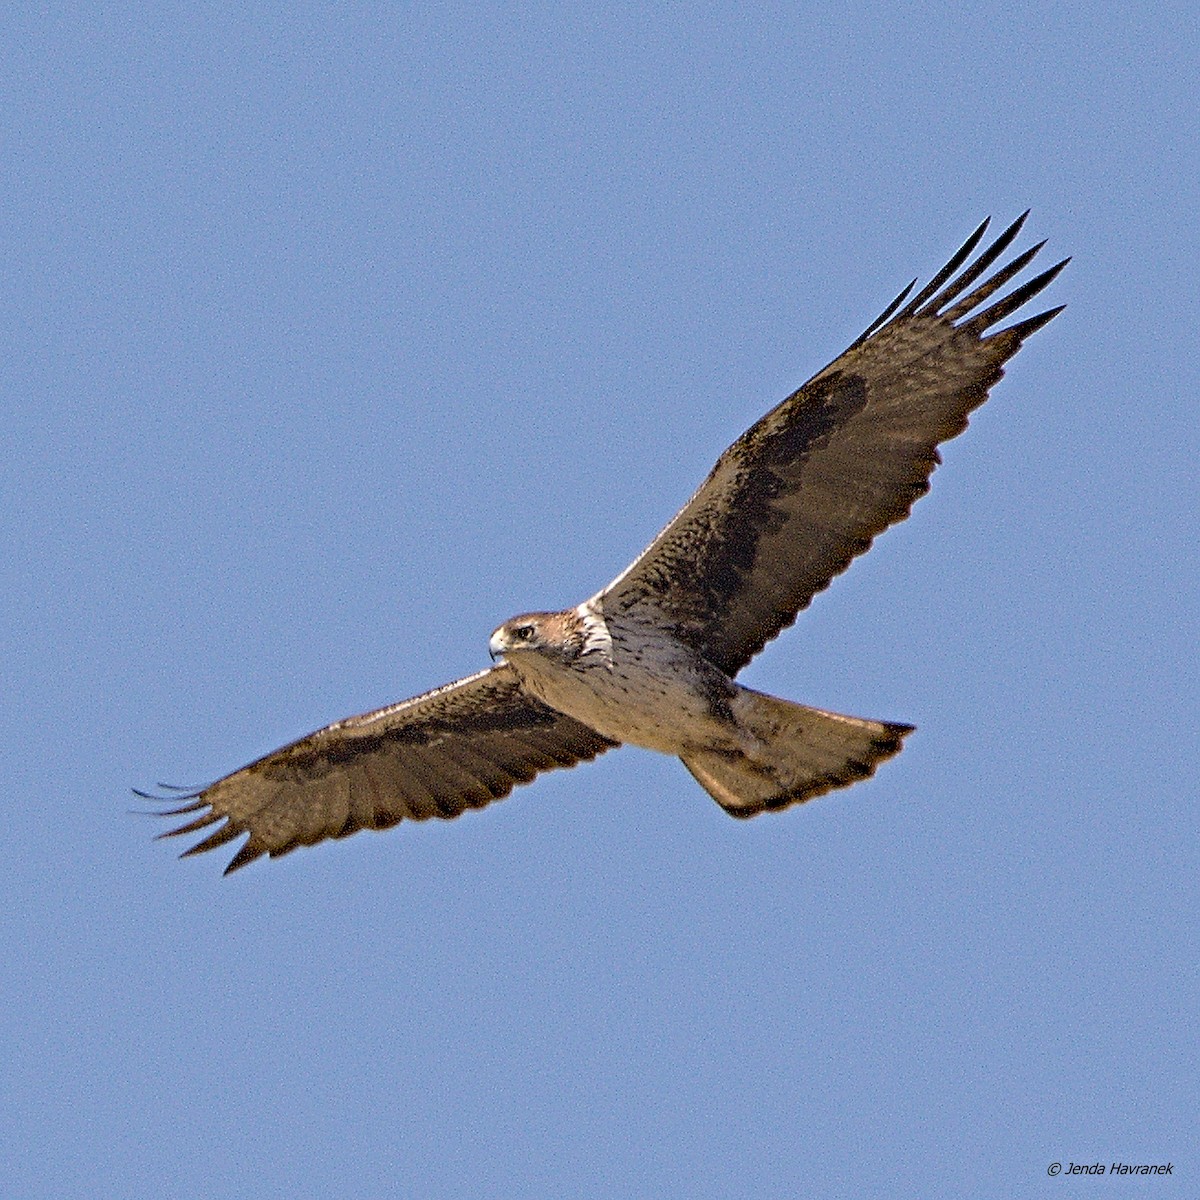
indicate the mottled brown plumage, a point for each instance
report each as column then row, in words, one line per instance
column 651, row 658
column 460, row 746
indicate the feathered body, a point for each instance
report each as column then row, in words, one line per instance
column 635, row 682
column 627, row 681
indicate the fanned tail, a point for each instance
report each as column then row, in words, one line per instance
column 791, row 753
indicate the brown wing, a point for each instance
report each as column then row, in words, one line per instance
column 806, row 489
column 460, row 746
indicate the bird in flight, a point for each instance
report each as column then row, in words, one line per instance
column 651, row 658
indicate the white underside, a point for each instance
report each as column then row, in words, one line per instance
column 655, row 700
column 750, row 751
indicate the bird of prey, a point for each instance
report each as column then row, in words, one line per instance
column 651, row 658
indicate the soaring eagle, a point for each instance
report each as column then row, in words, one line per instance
column 651, row 658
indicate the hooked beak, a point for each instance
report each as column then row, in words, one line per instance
column 496, row 645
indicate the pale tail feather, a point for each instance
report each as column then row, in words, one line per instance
column 795, row 753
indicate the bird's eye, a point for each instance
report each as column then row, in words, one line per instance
column 523, row 633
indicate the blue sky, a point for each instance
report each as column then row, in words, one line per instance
column 334, row 335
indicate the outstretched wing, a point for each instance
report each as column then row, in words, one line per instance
column 807, row 488
column 460, row 746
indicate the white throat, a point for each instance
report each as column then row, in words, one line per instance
column 597, row 641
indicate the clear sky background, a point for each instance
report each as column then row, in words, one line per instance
column 335, row 335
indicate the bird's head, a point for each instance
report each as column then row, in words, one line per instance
column 552, row 635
